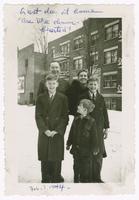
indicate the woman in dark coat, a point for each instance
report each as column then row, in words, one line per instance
column 76, row 89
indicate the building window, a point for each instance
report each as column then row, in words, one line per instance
column 78, row 64
column 111, row 103
column 53, row 52
column 78, row 43
column 110, row 81
column 110, row 56
column 112, row 32
column 26, row 63
column 65, row 48
column 94, row 38
column 64, row 66
column 94, row 58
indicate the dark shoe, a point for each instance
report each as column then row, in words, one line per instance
column 47, row 180
column 59, row 179
column 100, row 181
column 77, row 179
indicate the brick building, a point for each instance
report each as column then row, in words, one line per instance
column 69, row 51
column 96, row 46
column 105, row 52
column 31, row 66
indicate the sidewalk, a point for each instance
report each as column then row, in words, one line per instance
column 29, row 166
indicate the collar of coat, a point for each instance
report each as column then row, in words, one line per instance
column 86, row 117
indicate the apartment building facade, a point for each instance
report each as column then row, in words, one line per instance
column 97, row 47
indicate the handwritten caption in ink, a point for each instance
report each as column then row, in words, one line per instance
column 56, row 23
column 60, row 187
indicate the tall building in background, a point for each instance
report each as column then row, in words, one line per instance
column 31, row 67
column 69, row 51
column 97, row 46
column 104, row 50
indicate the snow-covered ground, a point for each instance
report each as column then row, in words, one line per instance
column 29, row 166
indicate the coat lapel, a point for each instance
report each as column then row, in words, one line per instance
column 54, row 102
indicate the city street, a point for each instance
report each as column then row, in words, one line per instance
column 29, row 166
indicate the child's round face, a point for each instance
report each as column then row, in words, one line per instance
column 51, row 85
column 93, row 86
column 81, row 109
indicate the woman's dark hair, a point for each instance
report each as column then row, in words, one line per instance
column 82, row 70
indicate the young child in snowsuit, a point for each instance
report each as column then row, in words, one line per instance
column 84, row 142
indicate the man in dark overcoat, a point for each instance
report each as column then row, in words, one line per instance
column 51, row 118
column 101, row 117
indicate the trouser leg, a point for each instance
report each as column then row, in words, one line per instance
column 57, row 172
column 96, row 168
column 76, row 168
column 84, row 170
column 45, row 171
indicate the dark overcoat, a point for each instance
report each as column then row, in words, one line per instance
column 83, row 137
column 73, row 93
column 100, row 115
column 51, row 116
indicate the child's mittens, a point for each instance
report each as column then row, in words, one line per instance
column 67, row 147
column 53, row 133
column 96, row 151
column 48, row 133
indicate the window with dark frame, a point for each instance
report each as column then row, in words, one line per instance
column 94, row 58
column 64, row 66
column 65, row 48
column 26, row 63
column 111, row 103
column 112, row 31
column 111, row 56
column 94, row 38
column 78, row 64
column 53, row 52
column 110, row 81
column 78, row 43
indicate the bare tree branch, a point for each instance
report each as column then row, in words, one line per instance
column 41, row 40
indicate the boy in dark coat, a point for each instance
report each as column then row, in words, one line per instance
column 102, row 121
column 83, row 138
column 51, row 118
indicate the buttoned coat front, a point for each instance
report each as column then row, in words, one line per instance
column 51, row 116
column 83, row 137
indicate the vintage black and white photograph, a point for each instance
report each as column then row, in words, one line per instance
column 70, row 122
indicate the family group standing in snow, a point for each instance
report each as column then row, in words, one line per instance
column 57, row 99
